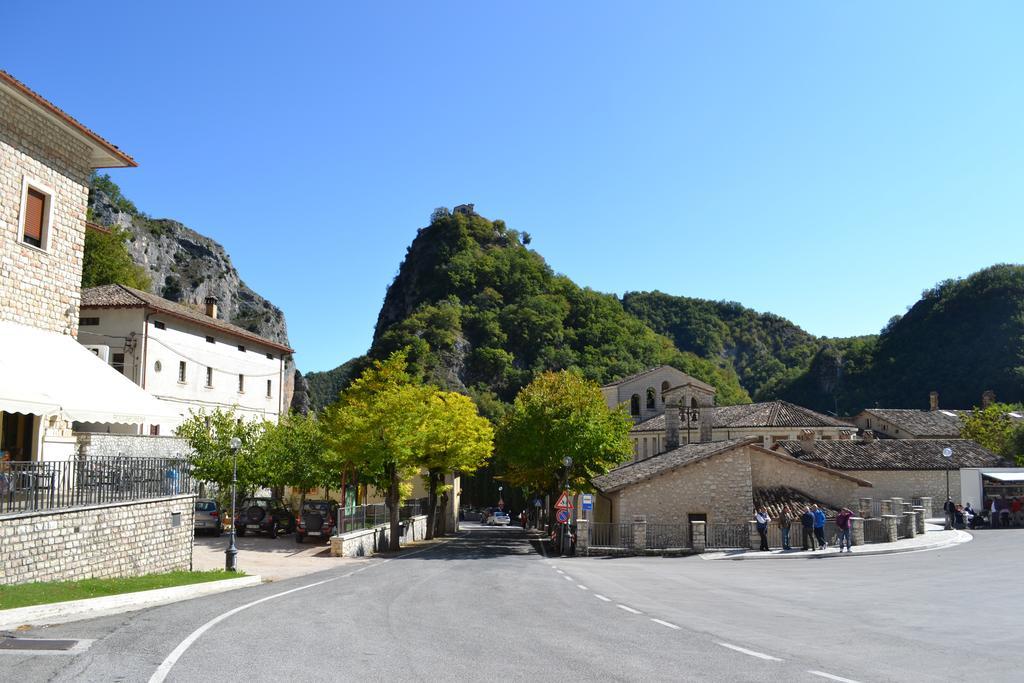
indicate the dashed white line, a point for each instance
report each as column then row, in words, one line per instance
column 567, row 578
column 629, row 609
column 559, row 571
column 665, row 623
column 602, row 598
column 832, row 677
column 752, row 653
column 581, row 586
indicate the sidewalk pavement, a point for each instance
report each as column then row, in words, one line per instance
column 933, row 539
column 272, row 558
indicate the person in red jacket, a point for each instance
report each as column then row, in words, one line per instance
column 843, row 522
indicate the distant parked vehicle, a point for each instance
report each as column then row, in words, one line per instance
column 317, row 520
column 207, row 516
column 498, row 518
column 268, row 515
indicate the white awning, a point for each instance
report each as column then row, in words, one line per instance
column 1004, row 476
column 46, row 373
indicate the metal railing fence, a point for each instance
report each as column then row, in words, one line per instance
column 662, row 536
column 610, row 535
column 368, row 516
column 726, row 535
column 92, row 480
column 874, row 531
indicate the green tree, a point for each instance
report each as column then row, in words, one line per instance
column 993, row 428
column 209, row 436
column 457, row 439
column 106, row 261
column 561, row 414
column 377, row 428
column 297, row 451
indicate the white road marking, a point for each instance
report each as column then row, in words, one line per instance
column 165, row 666
column 831, row 677
column 601, row 597
column 629, row 609
column 559, row 571
column 567, row 578
column 752, row 653
column 581, row 586
column 665, row 623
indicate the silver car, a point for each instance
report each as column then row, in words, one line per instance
column 208, row 516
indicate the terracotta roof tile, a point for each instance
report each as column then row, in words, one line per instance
column 894, row 454
column 766, row 415
column 631, row 473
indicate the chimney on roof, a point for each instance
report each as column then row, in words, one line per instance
column 211, row 306
column 868, row 436
column 807, row 440
column 933, row 401
column 845, row 435
column 988, row 398
column 672, row 423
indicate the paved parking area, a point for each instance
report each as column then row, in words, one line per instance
column 272, row 558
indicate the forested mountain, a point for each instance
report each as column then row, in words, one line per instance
column 483, row 313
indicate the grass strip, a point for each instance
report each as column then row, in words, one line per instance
column 42, row 593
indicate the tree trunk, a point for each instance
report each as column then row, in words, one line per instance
column 394, row 542
column 431, row 502
column 442, row 518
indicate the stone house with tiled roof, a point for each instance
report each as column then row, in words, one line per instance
column 905, row 468
column 716, row 482
column 769, row 421
column 182, row 355
column 644, row 393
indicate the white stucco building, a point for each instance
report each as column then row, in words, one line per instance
column 183, row 356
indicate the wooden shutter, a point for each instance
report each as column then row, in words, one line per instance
column 35, row 214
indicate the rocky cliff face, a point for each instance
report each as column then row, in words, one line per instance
column 188, row 267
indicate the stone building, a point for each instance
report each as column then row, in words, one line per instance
column 934, row 423
column 715, row 481
column 904, row 468
column 187, row 358
column 46, row 158
column 644, row 394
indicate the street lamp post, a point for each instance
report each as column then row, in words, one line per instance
column 947, row 453
column 231, row 554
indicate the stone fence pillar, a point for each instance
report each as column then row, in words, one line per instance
column 865, row 507
column 926, row 503
column 907, row 507
column 639, row 533
column 891, row 522
column 582, row 537
column 697, row 539
column 857, row 530
column 753, row 536
column 919, row 519
column 910, row 520
column 886, row 507
column 897, row 506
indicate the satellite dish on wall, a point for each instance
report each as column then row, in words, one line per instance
column 947, row 452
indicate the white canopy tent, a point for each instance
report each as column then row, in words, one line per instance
column 46, row 373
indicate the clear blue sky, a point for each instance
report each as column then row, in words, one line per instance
column 823, row 161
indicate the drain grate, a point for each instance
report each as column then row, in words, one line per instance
column 36, row 644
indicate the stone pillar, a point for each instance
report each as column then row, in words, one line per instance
column 919, row 519
column 672, row 426
column 865, row 507
column 337, row 546
column 891, row 522
column 639, row 533
column 753, row 536
column 926, row 503
column 697, row 531
column 582, row 537
column 856, row 531
column 897, row 506
column 907, row 507
column 910, row 520
column 886, row 507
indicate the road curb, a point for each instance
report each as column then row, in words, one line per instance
column 77, row 610
column 862, row 551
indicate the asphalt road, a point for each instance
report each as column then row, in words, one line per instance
column 485, row 605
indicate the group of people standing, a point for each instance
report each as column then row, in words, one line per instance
column 812, row 520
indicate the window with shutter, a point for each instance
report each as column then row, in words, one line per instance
column 35, row 217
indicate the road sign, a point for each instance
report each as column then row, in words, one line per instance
column 563, row 502
column 537, row 503
column 563, row 516
column 588, row 501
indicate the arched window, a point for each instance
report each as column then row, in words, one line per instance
column 693, row 402
column 664, row 388
column 650, row 398
column 634, row 405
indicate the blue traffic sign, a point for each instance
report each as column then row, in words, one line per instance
column 563, row 516
column 588, row 501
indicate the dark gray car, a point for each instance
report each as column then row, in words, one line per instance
column 208, row 517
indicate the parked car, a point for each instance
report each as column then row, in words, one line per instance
column 207, row 516
column 316, row 520
column 268, row 515
column 498, row 518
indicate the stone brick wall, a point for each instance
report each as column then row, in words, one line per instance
column 719, row 487
column 909, row 484
column 770, row 471
column 37, row 287
column 131, row 445
column 366, row 542
column 101, row 541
